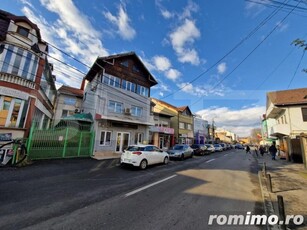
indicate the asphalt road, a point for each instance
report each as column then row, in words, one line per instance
column 90, row 194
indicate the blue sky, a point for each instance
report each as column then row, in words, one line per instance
column 185, row 44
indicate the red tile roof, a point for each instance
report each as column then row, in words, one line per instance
column 71, row 91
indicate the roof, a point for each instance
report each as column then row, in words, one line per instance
column 179, row 109
column 100, row 61
column 5, row 18
column 288, row 97
column 71, row 91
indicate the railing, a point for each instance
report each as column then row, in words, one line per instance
column 17, row 80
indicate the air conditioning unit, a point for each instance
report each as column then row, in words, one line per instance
column 127, row 111
column 77, row 110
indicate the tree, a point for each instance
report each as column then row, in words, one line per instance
column 255, row 136
column 302, row 44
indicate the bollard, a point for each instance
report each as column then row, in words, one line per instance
column 270, row 182
column 281, row 211
column 264, row 169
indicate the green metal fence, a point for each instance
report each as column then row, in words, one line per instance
column 55, row 143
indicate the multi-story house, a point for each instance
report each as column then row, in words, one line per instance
column 117, row 94
column 289, row 109
column 69, row 101
column 181, row 121
column 161, row 134
column 200, row 130
column 27, row 89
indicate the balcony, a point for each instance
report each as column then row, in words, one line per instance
column 16, row 80
column 280, row 130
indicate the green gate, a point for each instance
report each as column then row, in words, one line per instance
column 67, row 142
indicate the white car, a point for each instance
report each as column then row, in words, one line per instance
column 143, row 155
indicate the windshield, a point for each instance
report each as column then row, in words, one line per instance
column 178, row 147
column 135, row 148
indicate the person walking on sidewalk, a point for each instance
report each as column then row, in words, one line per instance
column 261, row 150
column 248, row 149
column 273, row 150
column 256, row 150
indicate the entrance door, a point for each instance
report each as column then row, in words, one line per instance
column 122, row 141
column 161, row 142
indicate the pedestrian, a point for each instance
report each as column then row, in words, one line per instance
column 273, row 150
column 256, row 150
column 248, row 150
column 261, row 150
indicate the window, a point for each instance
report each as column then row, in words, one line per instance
column 111, row 80
column 16, row 65
column 189, row 127
column 127, row 85
column 136, row 111
column 66, row 113
column 285, row 119
column 142, row 90
column 115, row 107
column 136, row 69
column 23, row 31
column 139, row 138
column 125, row 63
column 181, row 125
column 12, row 112
column 70, row 101
column 304, row 113
column 105, row 138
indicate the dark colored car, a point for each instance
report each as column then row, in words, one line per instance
column 239, row 146
column 199, row 149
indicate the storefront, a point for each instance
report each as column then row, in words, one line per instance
column 163, row 137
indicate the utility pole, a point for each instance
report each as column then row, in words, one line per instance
column 213, row 134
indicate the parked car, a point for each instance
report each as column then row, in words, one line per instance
column 143, row 155
column 218, row 148
column 224, row 146
column 180, row 151
column 210, row 148
column 239, row 146
column 199, row 149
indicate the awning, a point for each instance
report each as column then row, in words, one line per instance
column 278, row 135
column 85, row 117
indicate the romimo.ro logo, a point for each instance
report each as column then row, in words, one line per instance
column 249, row 219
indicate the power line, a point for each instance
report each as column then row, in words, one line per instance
column 296, row 68
column 262, row 23
column 250, row 53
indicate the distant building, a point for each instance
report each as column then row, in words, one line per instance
column 200, row 130
column 69, row 101
column 117, row 94
column 27, row 86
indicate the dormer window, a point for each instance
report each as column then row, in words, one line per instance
column 23, row 31
column 136, row 69
column 125, row 63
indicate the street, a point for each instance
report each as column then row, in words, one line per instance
column 90, row 194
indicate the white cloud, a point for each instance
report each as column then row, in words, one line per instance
column 72, row 32
column 182, row 38
column 221, row 68
column 239, row 121
column 122, row 23
column 172, row 74
column 166, row 14
column 162, row 63
column 281, row 27
column 193, row 90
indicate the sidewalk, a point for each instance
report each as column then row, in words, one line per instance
column 105, row 156
column 288, row 180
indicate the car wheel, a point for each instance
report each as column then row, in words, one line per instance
column 165, row 161
column 182, row 157
column 143, row 164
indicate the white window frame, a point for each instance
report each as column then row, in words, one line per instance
column 111, row 80
column 136, row 111
column 189, row 126
column 105, row 142
column 181, row 125
column 116, row 104
column 10, row 111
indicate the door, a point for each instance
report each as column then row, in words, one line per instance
column 122, row 141
column 161, row 142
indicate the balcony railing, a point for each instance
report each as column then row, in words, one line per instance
column 16, row 80
column 281, row 129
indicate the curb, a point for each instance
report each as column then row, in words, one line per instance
column 267, row 202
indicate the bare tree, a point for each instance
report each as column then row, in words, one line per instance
column 255, row 136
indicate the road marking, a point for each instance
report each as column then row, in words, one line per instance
column 148, row 186
column 210, row 160
column 98, row 166
column 226, row 154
